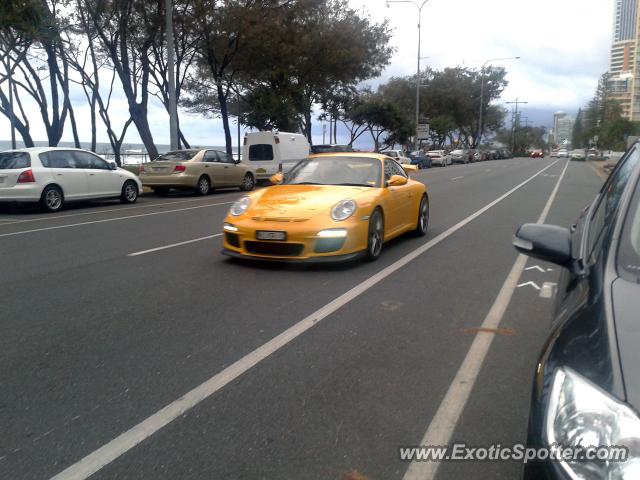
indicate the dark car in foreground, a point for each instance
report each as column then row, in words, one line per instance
column 586, row 388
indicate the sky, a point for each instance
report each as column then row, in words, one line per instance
column 563, row 44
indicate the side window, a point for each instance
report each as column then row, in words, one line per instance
column 392, row 168
column 210, row 156
column 57, row 159
column 87, row 160
column 605, row 212
column 224, row 158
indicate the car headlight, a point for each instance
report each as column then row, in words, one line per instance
column 343, row 210
column 240, row 206
column 582, row 415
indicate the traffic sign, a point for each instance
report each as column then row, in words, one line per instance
column 422, row 131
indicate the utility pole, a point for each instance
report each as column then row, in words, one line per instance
column 419, row 6
column 173, row 106
column 515, row 121
column 480, row 125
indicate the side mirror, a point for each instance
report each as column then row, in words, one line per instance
column 397, row 181
column 236, row 161
column 409, row 169
column 276, row 179
column 113, row 165
column 546, row 242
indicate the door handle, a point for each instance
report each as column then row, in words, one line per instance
column 60, row 174
column 206, row 166
column 91, row 174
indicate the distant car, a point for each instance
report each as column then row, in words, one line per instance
column 553, row 154
column 197, row 170
column 54, row 176
column 563, row 154
column 331, row 148
column 460, row 156
column 420, row 159
column 481, row 156
column 398, row 155
column 537, row 154
column 439, row 157
column 586, row 382
column 577, row 155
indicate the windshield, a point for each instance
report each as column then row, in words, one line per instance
column 14, row 160
column 177, row 156
column 352, row 171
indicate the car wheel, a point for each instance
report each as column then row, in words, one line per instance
column 129, row 192
column 422, row 224
column 248, row 183
column 52, row 199
column 204, row 186
column 161, row 192
column 375, row 236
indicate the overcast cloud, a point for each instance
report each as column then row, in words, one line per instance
column 564, row 45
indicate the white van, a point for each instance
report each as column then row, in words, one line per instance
column 270, row 152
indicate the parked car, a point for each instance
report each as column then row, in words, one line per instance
column 331, row 148
column 420, row 159
column 197, row 170
column 586, row 385
column 439, row 157
column 271, row 152
column 481, row 156
column 460, row 156
column 537, row 154
column 398, row 155
column 577, row 155
column 54, row 176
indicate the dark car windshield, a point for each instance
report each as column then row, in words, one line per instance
column 340, row 170
column 629, row 253
column 177, row 156
column 14, row 160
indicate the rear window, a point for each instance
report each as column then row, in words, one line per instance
column 14, row 160
column 177, row 156
column 260, row 151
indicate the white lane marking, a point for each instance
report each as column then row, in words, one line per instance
column 529, row 284
column 157, row 249
column 539, row 268
column 457, row 178
column 57, row 227
column 96, row 212
column 548, row 289
column 106, row 454
column 452, row 405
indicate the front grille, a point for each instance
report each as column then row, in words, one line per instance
column 278, row 249
column 232, row 239
column 280, row 219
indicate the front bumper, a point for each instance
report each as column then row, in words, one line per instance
column 302, row 242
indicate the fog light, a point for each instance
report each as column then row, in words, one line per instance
column 333, row 233
column 230, row 228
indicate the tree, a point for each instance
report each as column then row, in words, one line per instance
column 577, row 136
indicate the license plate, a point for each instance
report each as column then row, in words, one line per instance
column 265, row 235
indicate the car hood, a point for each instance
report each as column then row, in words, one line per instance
column 626, row 305
column 299, row 202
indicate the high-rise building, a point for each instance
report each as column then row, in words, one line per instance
column 624, row 77
column 562, row 129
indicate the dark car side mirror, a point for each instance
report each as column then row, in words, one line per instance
column 546, row 242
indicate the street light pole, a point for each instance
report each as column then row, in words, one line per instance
column 419, row 6
column 173, row 106
column 480, row 120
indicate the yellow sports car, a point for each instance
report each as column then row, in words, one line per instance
column 328, row 207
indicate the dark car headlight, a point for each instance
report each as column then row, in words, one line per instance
column 582, row 415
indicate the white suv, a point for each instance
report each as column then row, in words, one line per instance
column 398, row 156
column 53, row 176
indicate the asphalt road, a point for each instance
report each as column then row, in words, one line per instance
column 125, row 354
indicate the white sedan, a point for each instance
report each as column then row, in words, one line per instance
column 53, row 176
column 398, row 155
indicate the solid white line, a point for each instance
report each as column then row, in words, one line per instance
column 97, row 212
column 157, row 249
column 452, row 405
column 457, row 178
column 57, row 227
column 129, row 439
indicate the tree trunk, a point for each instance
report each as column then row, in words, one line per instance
column 307, row 125
column 224, row 113
column 140, row 120
column 183, row 139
